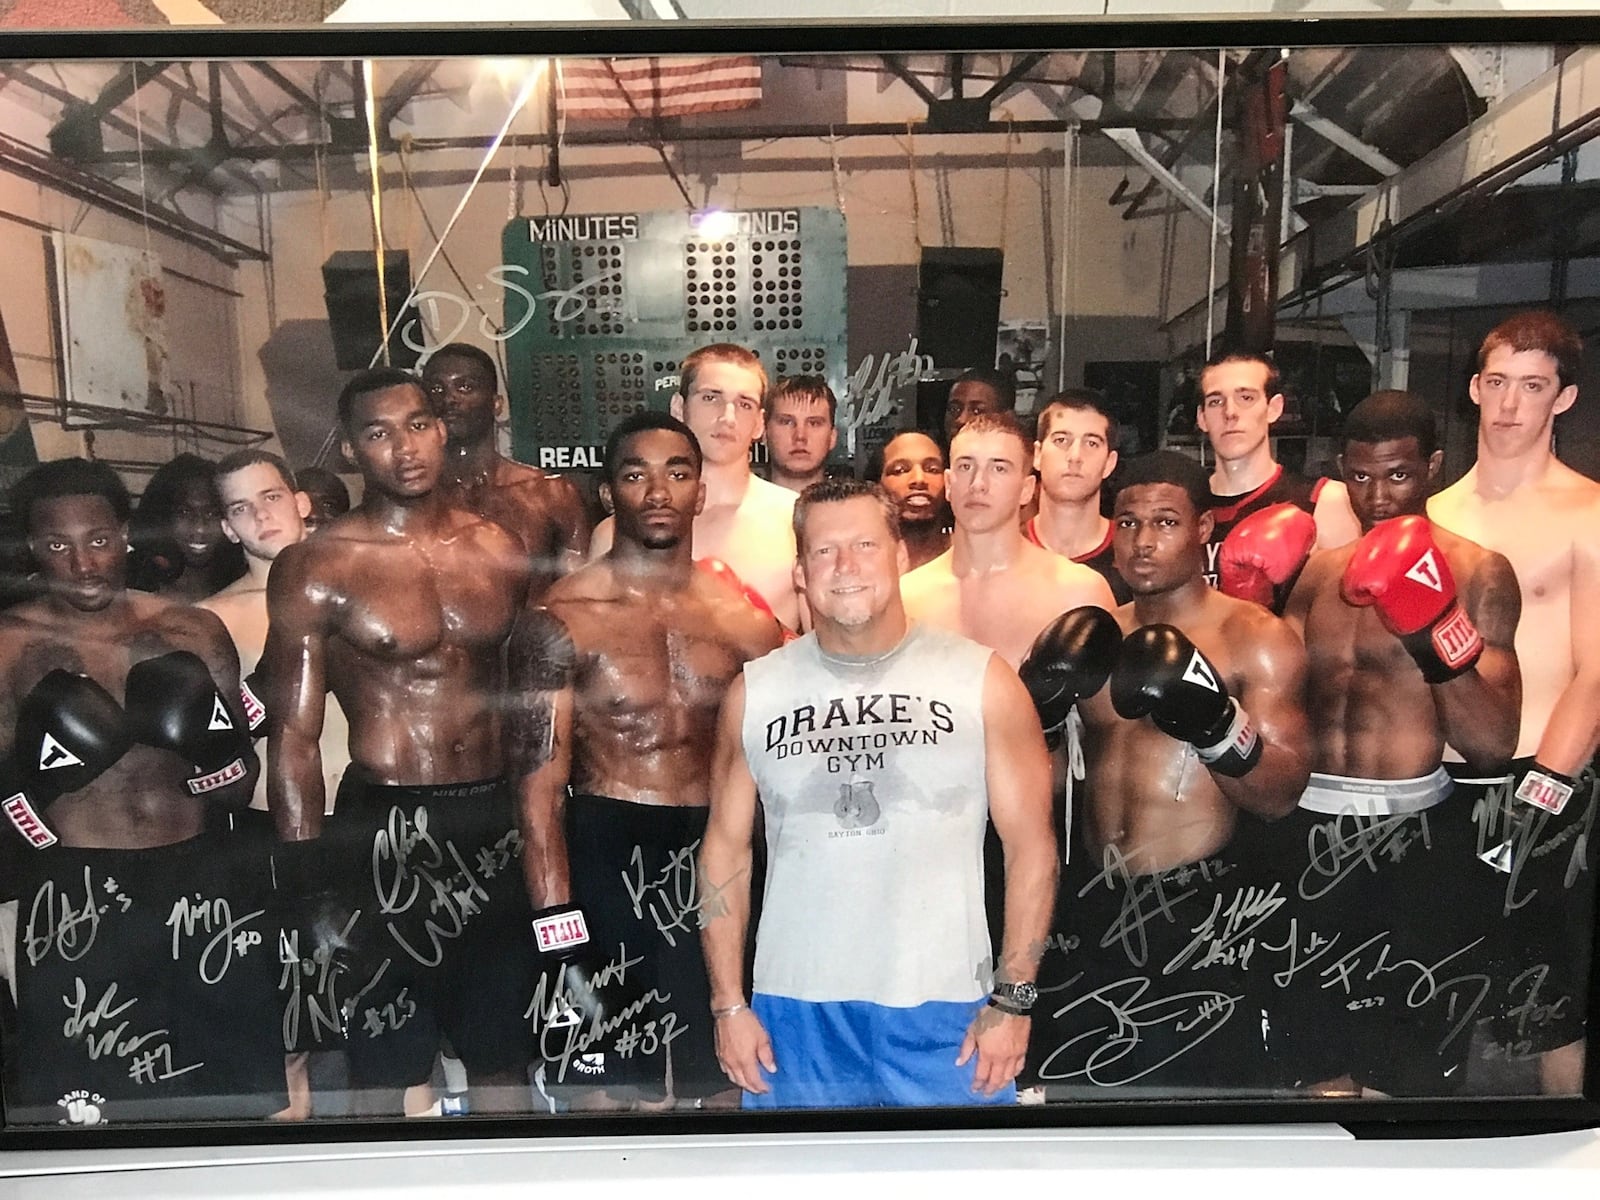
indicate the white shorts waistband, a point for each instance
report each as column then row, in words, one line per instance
column 1336, row 794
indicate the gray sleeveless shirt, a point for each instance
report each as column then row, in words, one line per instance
column 871, row 775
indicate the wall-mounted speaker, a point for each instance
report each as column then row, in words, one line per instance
column 350, row 285
column 958, row 305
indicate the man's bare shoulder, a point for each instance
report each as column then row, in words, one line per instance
column 769, row 499
column 1246, row 625
column 235, row 601
column 487, row 535
column 1463, row 554
column 935, row 575
column 590, row 584
column 1071, row 579
column 243, row 586
column 1572, row 493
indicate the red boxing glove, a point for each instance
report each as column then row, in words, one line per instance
column 1399, row 568
column 718, row 569
column 1265, row 550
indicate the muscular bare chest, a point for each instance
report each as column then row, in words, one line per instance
column 404, row 603
column 656, row 658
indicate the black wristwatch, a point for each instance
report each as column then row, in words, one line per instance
column 1014, row 998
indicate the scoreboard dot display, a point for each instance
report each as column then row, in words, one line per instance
column 622, row 297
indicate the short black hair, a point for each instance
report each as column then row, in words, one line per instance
column 471, row 353
column 1167, row 466
column 377, row 379
column 1081, row 400
column 68, row 477
column 834, row 490
column 643, row 422
column 879, row 458
column 1274, row 381
column 1388, row 416
column 1001, row 383
column 238, row 460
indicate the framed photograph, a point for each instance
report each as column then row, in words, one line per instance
column 531, row 599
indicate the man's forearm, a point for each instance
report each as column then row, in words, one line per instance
column 1573, row 732
column 296, row 790
column 544, row 844
column 1031, row 872
column 1479, row 716
column 724, row 902
column 1272, row 788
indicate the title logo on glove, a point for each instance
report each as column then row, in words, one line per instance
column 27, row 822
column 1457, row 639
column 53, row 754
column 1426, row 572
column 1197, row 672
column 219, row 715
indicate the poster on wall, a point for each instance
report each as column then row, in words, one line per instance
column 744, row 737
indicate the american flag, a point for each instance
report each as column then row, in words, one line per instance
column 625, row 88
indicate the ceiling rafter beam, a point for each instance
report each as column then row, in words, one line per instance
column 1335, row 134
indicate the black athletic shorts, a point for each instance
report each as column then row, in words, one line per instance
column 444, row 930
column 1143, row 983
column 146, row 988
column 633, row 871
column 1540, row 915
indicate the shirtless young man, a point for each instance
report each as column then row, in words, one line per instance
column 800, row 412
column 545, row 512
column 1075, row 454
column 912, row 472
column 1522, row 501
column 122, row 731
column 746, row 521
column 262, row 512
column 402, row 608
column 1199, row 731
column 615, row 686
column 1408, row 632
column 1240, row 399
column 993, row 585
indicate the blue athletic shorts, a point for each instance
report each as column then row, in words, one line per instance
column 855, row 1054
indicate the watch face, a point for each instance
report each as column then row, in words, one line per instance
column 1023, row 995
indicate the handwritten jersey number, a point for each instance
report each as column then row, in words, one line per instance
column 392, row 1016
column 647, row 1041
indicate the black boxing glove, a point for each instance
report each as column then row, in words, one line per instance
column 174, row 705
column 1160, row 674
column 252, row 690
column 1071, row 658
column 579, row 976
column 69, row 730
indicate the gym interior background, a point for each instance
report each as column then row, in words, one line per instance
column 1066, row 212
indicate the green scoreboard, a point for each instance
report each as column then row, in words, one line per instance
column 600, row 308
